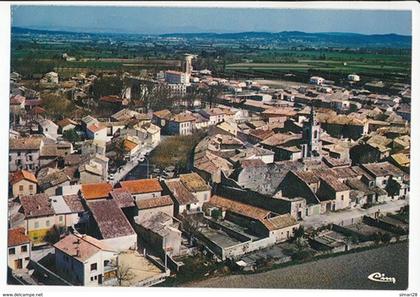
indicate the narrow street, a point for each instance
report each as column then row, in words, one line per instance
column 131, row 164
column 348, row 215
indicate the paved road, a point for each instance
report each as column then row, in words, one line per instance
column 337, row 217
column 130, row 165
column 348, row 271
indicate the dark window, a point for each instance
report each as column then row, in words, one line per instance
column 93, row 266
column 24, row 248
column 12, row 251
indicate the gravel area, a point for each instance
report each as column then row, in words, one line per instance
column 348, row 271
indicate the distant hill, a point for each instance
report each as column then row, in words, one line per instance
column 385, row 40
column 297, row 37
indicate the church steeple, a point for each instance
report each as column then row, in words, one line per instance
column 311, row 136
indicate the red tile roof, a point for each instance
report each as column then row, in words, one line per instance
column 239, row 208
column 154, row 202
column 95, row 191
column 37, row 205
column 22, row 174
column 74, row 203
column 80, row 247
column 181, row 193
column 122, row 197
column 140, row 186
column 16, row 237
column 96, row 127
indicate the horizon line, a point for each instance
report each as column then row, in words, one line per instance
column 202, row 32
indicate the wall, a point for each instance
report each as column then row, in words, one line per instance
column 145, row 214
column 19, row 254
column 37, row 228
column 25, row 162
column 69, row 268
column 284, row 234
column 138, row 197
column 26, row 188
column 122, row 243
column 89, row 178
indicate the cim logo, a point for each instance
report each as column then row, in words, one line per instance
column 381, row 278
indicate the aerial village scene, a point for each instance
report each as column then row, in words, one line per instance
column 207, row 160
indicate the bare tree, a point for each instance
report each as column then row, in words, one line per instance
column 123, row 273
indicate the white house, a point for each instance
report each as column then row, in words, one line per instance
column 316, row 80
column 18, row 249
column 84, row 260
column 97, row 131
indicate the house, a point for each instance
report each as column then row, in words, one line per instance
column 94, row 171
column 181, row 124
column 321, row 189
column 150, row 206
column 109, row 224
column 142, row 188
column 48, row 128
column 316, row 80
column 24, row 153
column 388, row 177
column 23, row 183
column 184, row 200
column 19, row 249
column 66, row 124
column 131, row 146
column 122, row 197
column 84, row 260
column 401, row 160
column 161, row 118
column 69, row 210
column 196, row 185
column 50, row 78
column 53, row 179
column 95, row 191
column 284, row 146
column 45, row 216
column 97, row 131
column 160, row 231
column 153, row 133
column 51, row 151
column 93, row 146
column 213, row 115
column 39, row 216
column 259, row 221
column 88, row 120
column 17, row 103
column 125, row 114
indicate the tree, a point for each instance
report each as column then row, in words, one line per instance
column 392, row 187
column 299, row 233
column 386, row 238
column 106, row 86
column 71, row 135
column 123, row 273
column 57, row 106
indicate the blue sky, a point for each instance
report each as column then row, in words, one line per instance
column 180, row 20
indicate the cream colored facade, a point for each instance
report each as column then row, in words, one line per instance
column 23, row 188
column 18, row 256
